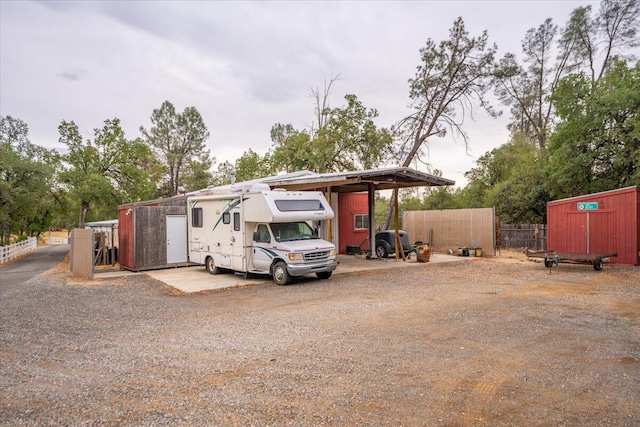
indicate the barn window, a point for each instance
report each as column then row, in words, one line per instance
column 362, row 222
column 236, row 221
column 196, row 217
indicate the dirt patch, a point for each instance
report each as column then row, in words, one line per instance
column 482, row 342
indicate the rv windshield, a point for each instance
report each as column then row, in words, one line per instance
column 288, row 231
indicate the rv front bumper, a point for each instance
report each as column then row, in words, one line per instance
column 308, row 268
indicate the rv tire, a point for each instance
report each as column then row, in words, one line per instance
column 211, row 266
column 324, row 274
column 280, row 274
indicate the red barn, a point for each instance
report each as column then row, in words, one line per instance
column 597, row 223
column 353, row 221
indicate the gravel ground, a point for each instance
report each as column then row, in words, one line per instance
column 480, row 342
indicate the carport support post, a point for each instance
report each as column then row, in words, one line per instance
column 329, row 222
column 371, row 194
column 399, row 248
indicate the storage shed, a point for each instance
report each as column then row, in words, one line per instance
column 597, row 223
column 153, row 234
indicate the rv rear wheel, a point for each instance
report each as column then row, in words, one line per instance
column 324, row 274
column 280, row 274
column 211, row 266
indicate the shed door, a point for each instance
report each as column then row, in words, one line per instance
column 601, row 232
column 590, row 232
column 576, row 233
column 176, row 238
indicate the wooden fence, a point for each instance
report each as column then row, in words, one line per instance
column 10, row 252
column 521, row 236
column 453, row 228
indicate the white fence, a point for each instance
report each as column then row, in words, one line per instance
column 12, row 251
column 58, row 240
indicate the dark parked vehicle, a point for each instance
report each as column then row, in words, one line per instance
column 386, row 243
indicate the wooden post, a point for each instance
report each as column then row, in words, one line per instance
column 372, row 220
column 399, row 249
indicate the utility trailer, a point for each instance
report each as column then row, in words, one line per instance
column 552, row 259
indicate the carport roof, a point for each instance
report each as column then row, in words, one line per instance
column 356, row 181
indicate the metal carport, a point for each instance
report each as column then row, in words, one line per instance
column 370, row 180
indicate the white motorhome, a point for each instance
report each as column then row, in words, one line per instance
column 253, row 229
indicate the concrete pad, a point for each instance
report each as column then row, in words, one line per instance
column 197, row 279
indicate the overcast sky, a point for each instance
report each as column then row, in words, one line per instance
column 243, row 65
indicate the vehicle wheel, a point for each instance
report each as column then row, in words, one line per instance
column 324, row 274
column 598, row 264
column 211, row 266
column 382, row 250
column 280, row 274
column 548, row 263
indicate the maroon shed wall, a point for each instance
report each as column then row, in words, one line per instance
column 350, row 205
column 613, row 227
column 125, row 237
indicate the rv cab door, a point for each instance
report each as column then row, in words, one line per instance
column 260, row 252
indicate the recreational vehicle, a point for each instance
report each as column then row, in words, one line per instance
column 252, row 229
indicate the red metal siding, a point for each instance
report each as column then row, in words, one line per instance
column 350, row 205
column 125, row 237
column 613, row 227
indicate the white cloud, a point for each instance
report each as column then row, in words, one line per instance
column 244, row 65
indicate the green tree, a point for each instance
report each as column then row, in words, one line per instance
column 292, row 150
column 596, row 145
column 526, row 89
column 252, row 166
column 511, row 179
column 453, row 77
column 106, row 171
column 344, row 138
column 26, row 176
column 223, row 174
column 586, row 44
column 179, row 142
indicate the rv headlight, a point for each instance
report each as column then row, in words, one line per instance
column 332, row 252
column 295, row 257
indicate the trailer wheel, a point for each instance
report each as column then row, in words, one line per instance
column 324, row 275
column 211, row 266
column 598, row 264
column 548, row 263
column 280, row 274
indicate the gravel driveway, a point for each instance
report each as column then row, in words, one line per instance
column 478, row 342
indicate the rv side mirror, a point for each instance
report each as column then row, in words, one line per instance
column 256, row 236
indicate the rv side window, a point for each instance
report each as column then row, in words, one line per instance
column 299, row 205
column 263, row 234
column 226, row 218
column 196, row 217
column 236, row 221
column 362, row 222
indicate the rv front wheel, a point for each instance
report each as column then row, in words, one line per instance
column 280, row 274
column 211, row 266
